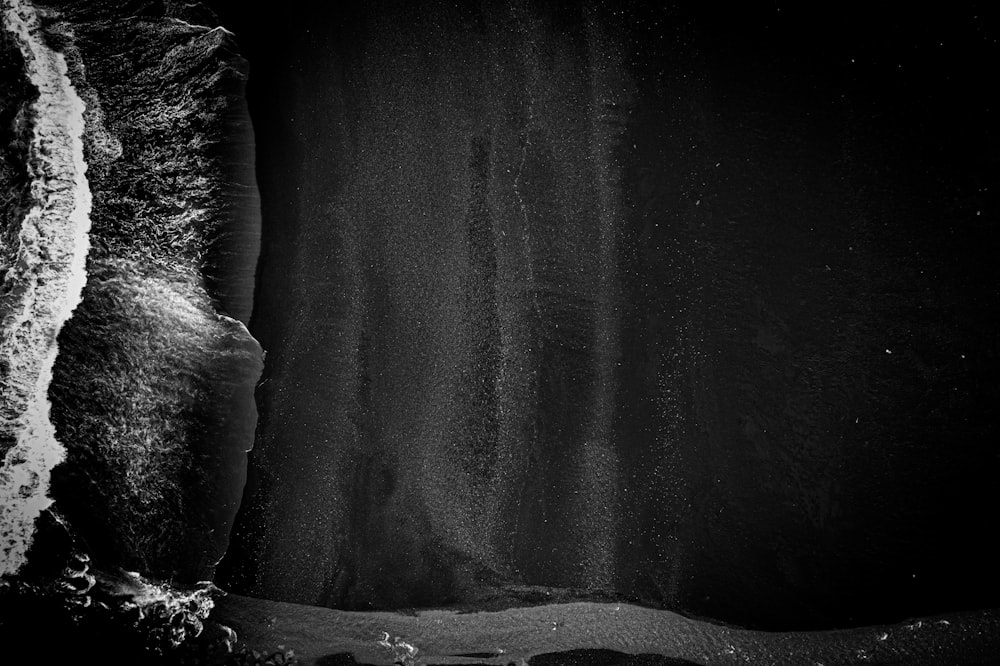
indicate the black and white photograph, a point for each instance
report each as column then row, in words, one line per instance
column 499, row 332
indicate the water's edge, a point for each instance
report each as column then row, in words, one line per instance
column 442, row 637
column 150, row 385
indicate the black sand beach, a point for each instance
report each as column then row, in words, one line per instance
column 590, row 334
column 686, row 307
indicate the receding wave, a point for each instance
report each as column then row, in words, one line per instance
column 151, row 389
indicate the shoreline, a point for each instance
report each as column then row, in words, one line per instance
column 442, row 637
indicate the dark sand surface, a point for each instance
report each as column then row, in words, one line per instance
column 690, row 307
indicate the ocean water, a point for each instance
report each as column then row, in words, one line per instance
column 150, row 382
column 41, row 286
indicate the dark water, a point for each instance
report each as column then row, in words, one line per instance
column 689, row 308
column 152, row 391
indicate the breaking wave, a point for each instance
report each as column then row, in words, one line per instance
column 42, row 286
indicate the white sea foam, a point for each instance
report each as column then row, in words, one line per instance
column 43, row 285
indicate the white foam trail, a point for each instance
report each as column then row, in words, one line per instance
column 44, row 285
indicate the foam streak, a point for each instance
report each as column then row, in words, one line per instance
column 42, row 287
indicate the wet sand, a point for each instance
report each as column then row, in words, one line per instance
column 512, row 635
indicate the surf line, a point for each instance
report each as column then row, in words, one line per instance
column 43, row 285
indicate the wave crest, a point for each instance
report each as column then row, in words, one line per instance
column 42, row 286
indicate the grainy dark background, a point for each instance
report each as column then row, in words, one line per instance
column 690, row 306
